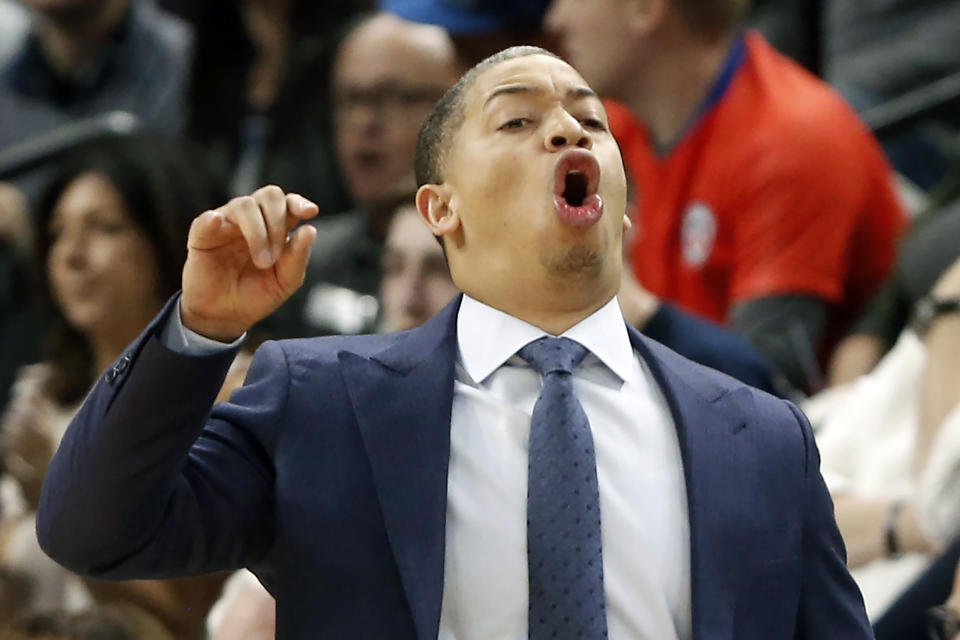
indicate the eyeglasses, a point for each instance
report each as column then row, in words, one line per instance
column 943, row 623
column 392, row 97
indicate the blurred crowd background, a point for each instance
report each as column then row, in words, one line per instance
column 795, row 176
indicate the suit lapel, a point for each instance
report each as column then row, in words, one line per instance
column 402, row 398
column 720, row 471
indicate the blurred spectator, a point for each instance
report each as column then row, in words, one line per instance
column 111, row 238
column 926, row 252
column 762, row 201
column 416, row 281
column 890, row 449
column 260, row 93
column 19, row 316
column 82, row 58
column 387, row 76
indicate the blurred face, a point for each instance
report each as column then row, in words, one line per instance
column 101, row 267
column 416, row 283
column 535, row 188
column 387, row 77
column 594, row 35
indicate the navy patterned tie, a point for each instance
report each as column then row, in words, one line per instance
column 563, row 504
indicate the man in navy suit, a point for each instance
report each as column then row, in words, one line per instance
column 379, row 486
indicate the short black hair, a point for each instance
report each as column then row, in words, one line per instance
column 437, row 131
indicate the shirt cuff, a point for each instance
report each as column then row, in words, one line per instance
column 178, row 338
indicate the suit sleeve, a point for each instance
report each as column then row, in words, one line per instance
column 830, row 602
column 147, row 483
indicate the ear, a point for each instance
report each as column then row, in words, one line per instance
column 434, row 204
column 645, row 16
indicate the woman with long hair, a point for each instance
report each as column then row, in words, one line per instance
column 110, row 233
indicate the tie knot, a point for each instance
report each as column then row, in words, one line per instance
column 548, row 355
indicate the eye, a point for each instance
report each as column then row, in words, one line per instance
column 107, row 227
column 593, row 123
column 515, row 123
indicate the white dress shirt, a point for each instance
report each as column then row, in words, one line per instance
column 643, row 498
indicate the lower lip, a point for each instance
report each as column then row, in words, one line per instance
column 583, row 216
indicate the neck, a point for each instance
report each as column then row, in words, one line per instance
column 69, row 48
column 557, row 308
column 670, row 86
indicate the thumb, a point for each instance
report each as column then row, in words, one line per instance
column 292, row 264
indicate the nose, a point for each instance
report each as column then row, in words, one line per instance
column 566, row 131
column 359, row 115
column 366, row 119
column 70, row 248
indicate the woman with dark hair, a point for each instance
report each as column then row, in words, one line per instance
column 110, row 237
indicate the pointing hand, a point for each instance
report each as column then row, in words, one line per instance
column 244, row 260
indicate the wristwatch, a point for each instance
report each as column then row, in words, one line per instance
column 928, row 308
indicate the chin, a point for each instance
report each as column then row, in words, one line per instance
column 84, row 321
column 579, row 260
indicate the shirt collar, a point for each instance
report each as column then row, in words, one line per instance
column 488, row 337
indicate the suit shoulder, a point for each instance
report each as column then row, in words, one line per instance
column 326, row 349
column 754, row 405
column 708, row 382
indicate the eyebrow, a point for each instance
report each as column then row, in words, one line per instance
column 510, row 89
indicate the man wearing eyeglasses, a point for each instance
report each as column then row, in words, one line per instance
column 387, row 75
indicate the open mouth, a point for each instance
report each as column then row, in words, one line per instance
column 575, row 191
column 576, row 178
column 367, row 159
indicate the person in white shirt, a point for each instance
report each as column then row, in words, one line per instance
column 404, row 485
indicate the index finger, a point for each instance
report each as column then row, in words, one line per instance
column 299, row 208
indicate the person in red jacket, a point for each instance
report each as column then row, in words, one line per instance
column 762, row 200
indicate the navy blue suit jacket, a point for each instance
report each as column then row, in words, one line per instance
column 327, row 475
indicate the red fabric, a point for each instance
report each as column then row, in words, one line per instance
column 795, row 187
